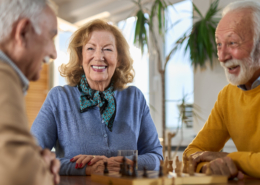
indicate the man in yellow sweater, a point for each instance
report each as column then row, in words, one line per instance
column 236, row 112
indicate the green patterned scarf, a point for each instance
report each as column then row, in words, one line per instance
column 105, row 100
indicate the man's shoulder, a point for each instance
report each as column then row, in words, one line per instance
column 228, row 92
column 7, row 74
column 229, row 88
column 6, row 69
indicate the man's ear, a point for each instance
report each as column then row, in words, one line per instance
column 22, row 31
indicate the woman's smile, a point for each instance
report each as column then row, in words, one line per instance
column 98, row 68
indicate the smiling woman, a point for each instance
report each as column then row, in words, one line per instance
column 100, row 59
column 98, row 31
column 97, row 114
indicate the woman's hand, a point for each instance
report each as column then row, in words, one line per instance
column 82, row 160
column 113, row 165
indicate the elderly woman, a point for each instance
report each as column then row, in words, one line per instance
column 96, row 114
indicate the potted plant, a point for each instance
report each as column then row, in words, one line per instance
column 201, row 39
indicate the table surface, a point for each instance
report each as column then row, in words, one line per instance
column 86, row 180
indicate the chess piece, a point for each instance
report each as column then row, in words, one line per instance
column 165, row 166
column 145, row 173
column 170, row 168
column 134, row 171
column 176, row 162
column 128, row 170
column 121, row 168
column 124, row 167
column 191, row 167
column 178, row 167
column 208, row 170
column 185, row 164
column 161, row 169
column 105, row 170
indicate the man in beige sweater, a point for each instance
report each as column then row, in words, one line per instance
column 27, row 29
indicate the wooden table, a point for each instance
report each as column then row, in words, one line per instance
column 85, row 180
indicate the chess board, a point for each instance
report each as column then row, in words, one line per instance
column 153, row 179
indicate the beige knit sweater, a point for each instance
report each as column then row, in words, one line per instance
column 20, row 159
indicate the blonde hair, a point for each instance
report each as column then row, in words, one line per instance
column 73, row 71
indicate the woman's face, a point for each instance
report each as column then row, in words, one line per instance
column 99, row 59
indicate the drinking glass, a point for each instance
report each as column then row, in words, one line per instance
column 129, row 154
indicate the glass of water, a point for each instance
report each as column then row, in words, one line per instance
column 129, row 154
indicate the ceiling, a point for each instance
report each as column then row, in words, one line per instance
column 78, row 12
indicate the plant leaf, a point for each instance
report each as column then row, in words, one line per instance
column 197, row 10
column 201, row 41
column 140, row 36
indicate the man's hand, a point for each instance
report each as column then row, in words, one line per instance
column 206, row 156
column 223, row 166
column 52, row 163
column 113, row 165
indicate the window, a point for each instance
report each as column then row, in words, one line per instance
column 179, row 72
column 141, row 63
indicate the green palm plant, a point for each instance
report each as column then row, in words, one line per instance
column 143, row 23
column 201, row 40
column 143, row 27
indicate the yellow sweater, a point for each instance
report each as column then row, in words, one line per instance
column 236, row 114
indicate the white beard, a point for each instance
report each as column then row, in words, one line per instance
column 248, row 66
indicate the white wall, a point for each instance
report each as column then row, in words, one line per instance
column 207, row 82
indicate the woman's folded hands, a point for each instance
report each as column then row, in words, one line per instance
column 95, row 163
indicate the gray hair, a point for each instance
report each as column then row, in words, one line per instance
column 251, row 4
column 13, row 10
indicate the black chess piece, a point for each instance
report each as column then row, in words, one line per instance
column 161, row 171
column 128, row 170
column 105, row 170
column 134, row 172
column 124, row 167
column 121, row 168
column 145, row 173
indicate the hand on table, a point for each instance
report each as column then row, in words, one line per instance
column 223, row 166
column 82, row 160
column 113, row 165
column 53, row 164
column 205, row 156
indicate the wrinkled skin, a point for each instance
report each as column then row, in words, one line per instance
column 219, row 163
column 53, row 163
column 206, row 156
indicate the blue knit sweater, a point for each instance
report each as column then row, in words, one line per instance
column 60, row 124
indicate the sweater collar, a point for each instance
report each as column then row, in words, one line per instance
column 24, row 80
column 254, row 85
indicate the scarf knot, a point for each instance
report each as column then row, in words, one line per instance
column 105, row 100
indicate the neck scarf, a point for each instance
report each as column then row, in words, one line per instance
column 105, row 100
